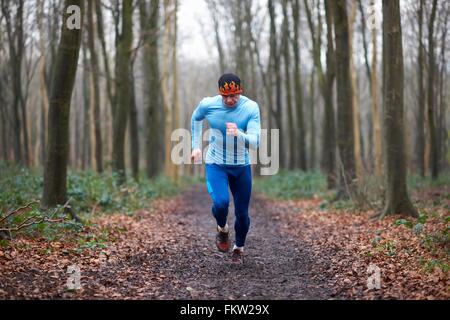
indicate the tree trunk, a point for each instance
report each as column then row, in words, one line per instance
column 123, row 89
column 301, row 144
column 20, row 48
column 287, row 65
column 95, row 94
column 267, row 89
column 101, row 36
column 175, row 99
column 329, row 136
column 326, row 82
column 86, row 153
column 18, row 78
column 134, row 137
column 63, row 79
column 345, row 137
column 376, row 123
column 16, row 66
column 54, row 29
column 168, row 106
column 442, row 127
column 374, row 136
column 3, row 111
column 420, row 142
column 368, row 150
column 434, row 159
column 355, row 98
column 42, row 85
column 277, row 73
column 312, row 121
column 4, row 124
column 397, row 198
column 108, row 116
column 152, row 90
column 78, row 130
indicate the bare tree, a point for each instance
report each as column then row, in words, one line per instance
column 376, row 122
column 110, row 86
column 3, row 101
column 133, row 133
column 312, row 138
column 397, row 198
column 63, row 78
column 275, row 67
column 420, row 142
column 86, row 157
column 175, row 97
column 345, row 133
column 287, row 85
column 42, row 81
column 154, row 118
column 123, row 89
column 326, row 82
column 434, row 159
column 14, row 29
column 355, row 94
column 101, row 36
column 170, row 8
column 95, row 94
column 301, row 145
column 443, row 97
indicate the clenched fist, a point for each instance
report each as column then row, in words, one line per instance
column 196, row 156
column 232, row 129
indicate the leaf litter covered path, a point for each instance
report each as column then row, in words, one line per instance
column 167, row 252
column 294, row 250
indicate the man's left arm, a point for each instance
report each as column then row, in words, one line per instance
column 253, row 130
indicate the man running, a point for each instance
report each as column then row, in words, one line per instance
column 235, row 127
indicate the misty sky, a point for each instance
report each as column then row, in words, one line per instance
column 191, row 16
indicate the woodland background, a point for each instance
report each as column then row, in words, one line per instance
column 359, row 90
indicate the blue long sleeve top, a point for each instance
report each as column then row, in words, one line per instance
column 223, row 149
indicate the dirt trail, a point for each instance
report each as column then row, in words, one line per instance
column 275, row 267
column 169, row 253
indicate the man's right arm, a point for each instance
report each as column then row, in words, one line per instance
column 196, row 131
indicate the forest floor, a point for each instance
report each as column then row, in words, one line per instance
column 294, row 250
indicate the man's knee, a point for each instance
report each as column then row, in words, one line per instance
column 243, row 218
column 221, row 204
